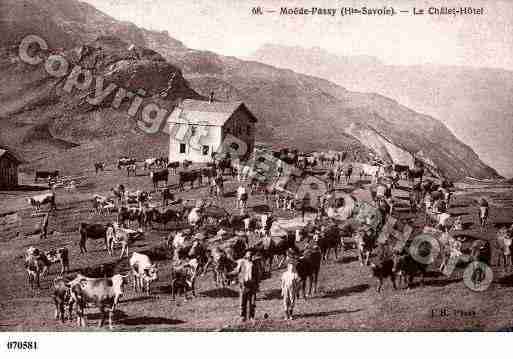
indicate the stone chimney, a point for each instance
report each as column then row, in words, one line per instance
column 211, row 99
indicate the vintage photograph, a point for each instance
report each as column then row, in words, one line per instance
column 262, row 166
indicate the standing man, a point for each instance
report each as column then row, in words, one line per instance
column 44, row 226
column 305, row 203
column 483, row 212
column 166, row 196
column 290, row 288
column 349, row 171
column 242, row 197
column 249, row 279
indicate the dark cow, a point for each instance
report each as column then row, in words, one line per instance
column 267, row 249
column 188, row 176
column 91, row 230
column 141, row 215
column 308, row 266
column 61, row 297
column 329, row 240
column 163, row 217
column 416, row 172
column 159, row 176
column 125, row 161
column 46, row 175
column 99, row 166
column 401, row 168
column 384, row 269
column 407, row 268
column 480, row 251
column 183, row 278
column 226, row 164
column 173, row 166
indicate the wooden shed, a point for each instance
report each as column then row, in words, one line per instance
column 9, row 162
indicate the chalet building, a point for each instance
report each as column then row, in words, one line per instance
column 9, row 163
column 198, row 128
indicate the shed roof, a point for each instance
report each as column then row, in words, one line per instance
column 214, row 113
column 6, row 151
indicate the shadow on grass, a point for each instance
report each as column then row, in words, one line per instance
column 272, row 294
column 220, row 293
column 327, row 313
column 150, row 321
column 261, row 208
column 26, row 187
column 347, row 259
column 506, row 281
column 230, row 194
column 342, row 292
column 96, row 315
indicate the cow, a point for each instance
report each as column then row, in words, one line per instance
column 103, row 292
column 159, row 176
column 36, row 265
column 186, row 164
column 46, row 175
column 99, row 166
column 416, row 172
column 39, row 200
column 144, row 272
column 183, row 278
column 133, row 214
column 188, row 176
column 61, row 297
column 149, row 163
column 101, row 205
column 308, row 266
column 59, row 255
column 173, row 166
column 328, row 240
column 369, row 170
column 91, row 230
column 382, row 270
column 125, row 161
column 267, row 249
column 226, row 164
column 131, row 169
column 222, row 265
column 407, row 268
column 121, row 236
column 365, row 243
column 163, row 217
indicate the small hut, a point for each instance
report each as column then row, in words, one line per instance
column 9, row 162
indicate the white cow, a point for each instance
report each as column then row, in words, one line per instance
column 149, row 163
column 46, row 198
column 143, row 271
column 194, row 216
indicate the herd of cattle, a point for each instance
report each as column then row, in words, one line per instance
column 210, row 238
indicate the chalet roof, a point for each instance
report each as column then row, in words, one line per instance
column 204, row 112
column 6, row 151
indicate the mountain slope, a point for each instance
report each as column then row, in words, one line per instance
column 294, row 109
column 476, row 104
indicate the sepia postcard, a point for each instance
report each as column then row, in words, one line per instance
column 262, row 166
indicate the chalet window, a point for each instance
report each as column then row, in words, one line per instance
column 204, row 150
column 227, row 131
column 248, row 130
column 182, row 147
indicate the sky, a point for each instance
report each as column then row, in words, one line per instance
column 228, row 28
